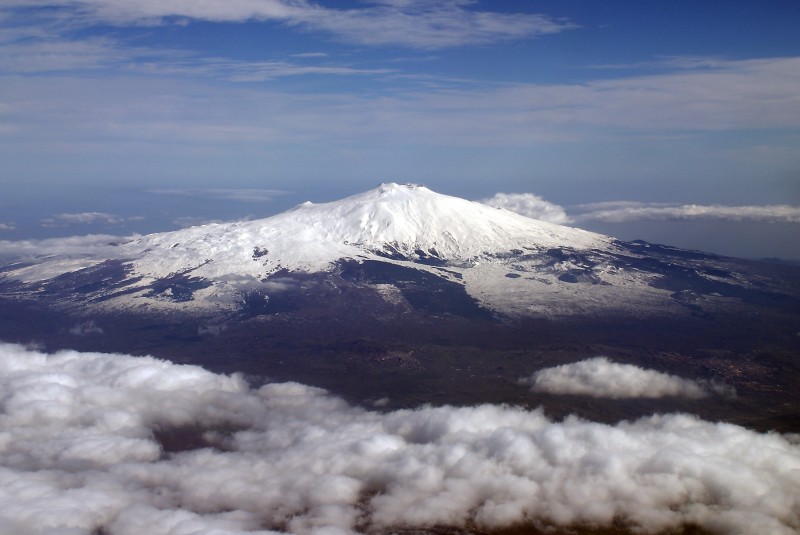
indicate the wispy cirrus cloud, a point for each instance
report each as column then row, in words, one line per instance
column 409, row 23
column 87, row 218
column 229, row 194
column 120, row 444
column 54, row 54
column 757, row 94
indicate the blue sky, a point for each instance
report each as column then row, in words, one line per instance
column 676, row 122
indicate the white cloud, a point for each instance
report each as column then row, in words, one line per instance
column 8, row 226
column 86, row 327
column 529, row 205
column 213, row 329
column 85, row 218
column 599, row 377
column 84, row 438
column 417, row 24
column 67, row 246
column 422, row 24
column 234, row 194
column 50, row 54
column 621, row 212
column 311, row 55
column 70, row 114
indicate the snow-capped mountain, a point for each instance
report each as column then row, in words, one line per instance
column 402, row 244
column 403, row 222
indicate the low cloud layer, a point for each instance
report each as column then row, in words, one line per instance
column 601, row 378
column 67, row 246
column 123, row 445
column 529, row 205
column 621, row 212
column 86, row 218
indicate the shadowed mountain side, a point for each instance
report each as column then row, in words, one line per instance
column 401, row 296
column 364, row 350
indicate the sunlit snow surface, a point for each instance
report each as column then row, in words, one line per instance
column 465, row 242
column 389, row 220
column 98, row 443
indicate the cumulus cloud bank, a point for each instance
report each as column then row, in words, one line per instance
column 124, row 445
column 599, row 377
column 529, row 205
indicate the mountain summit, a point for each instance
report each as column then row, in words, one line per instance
column 413, row 218
column 400, row 244
column 400, row 222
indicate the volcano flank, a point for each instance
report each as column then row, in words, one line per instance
column 407, row 295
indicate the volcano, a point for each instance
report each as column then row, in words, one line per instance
column 396, row 241
column 403, row 294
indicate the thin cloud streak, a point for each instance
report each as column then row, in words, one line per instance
column 633, row 211
column 234, row 194
column 531, row 205
column 53, row 54
column 87, row 218
column 126, row 445
column 409, row 23
column 110, row 111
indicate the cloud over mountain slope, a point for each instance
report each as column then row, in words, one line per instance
column 599, row 377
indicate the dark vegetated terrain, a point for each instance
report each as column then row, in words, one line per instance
column 371, row 330
column 440, row 347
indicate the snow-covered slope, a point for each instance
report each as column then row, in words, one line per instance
column 377, row 242
column 392, row 220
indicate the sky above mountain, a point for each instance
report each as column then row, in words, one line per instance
column 676, row 123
